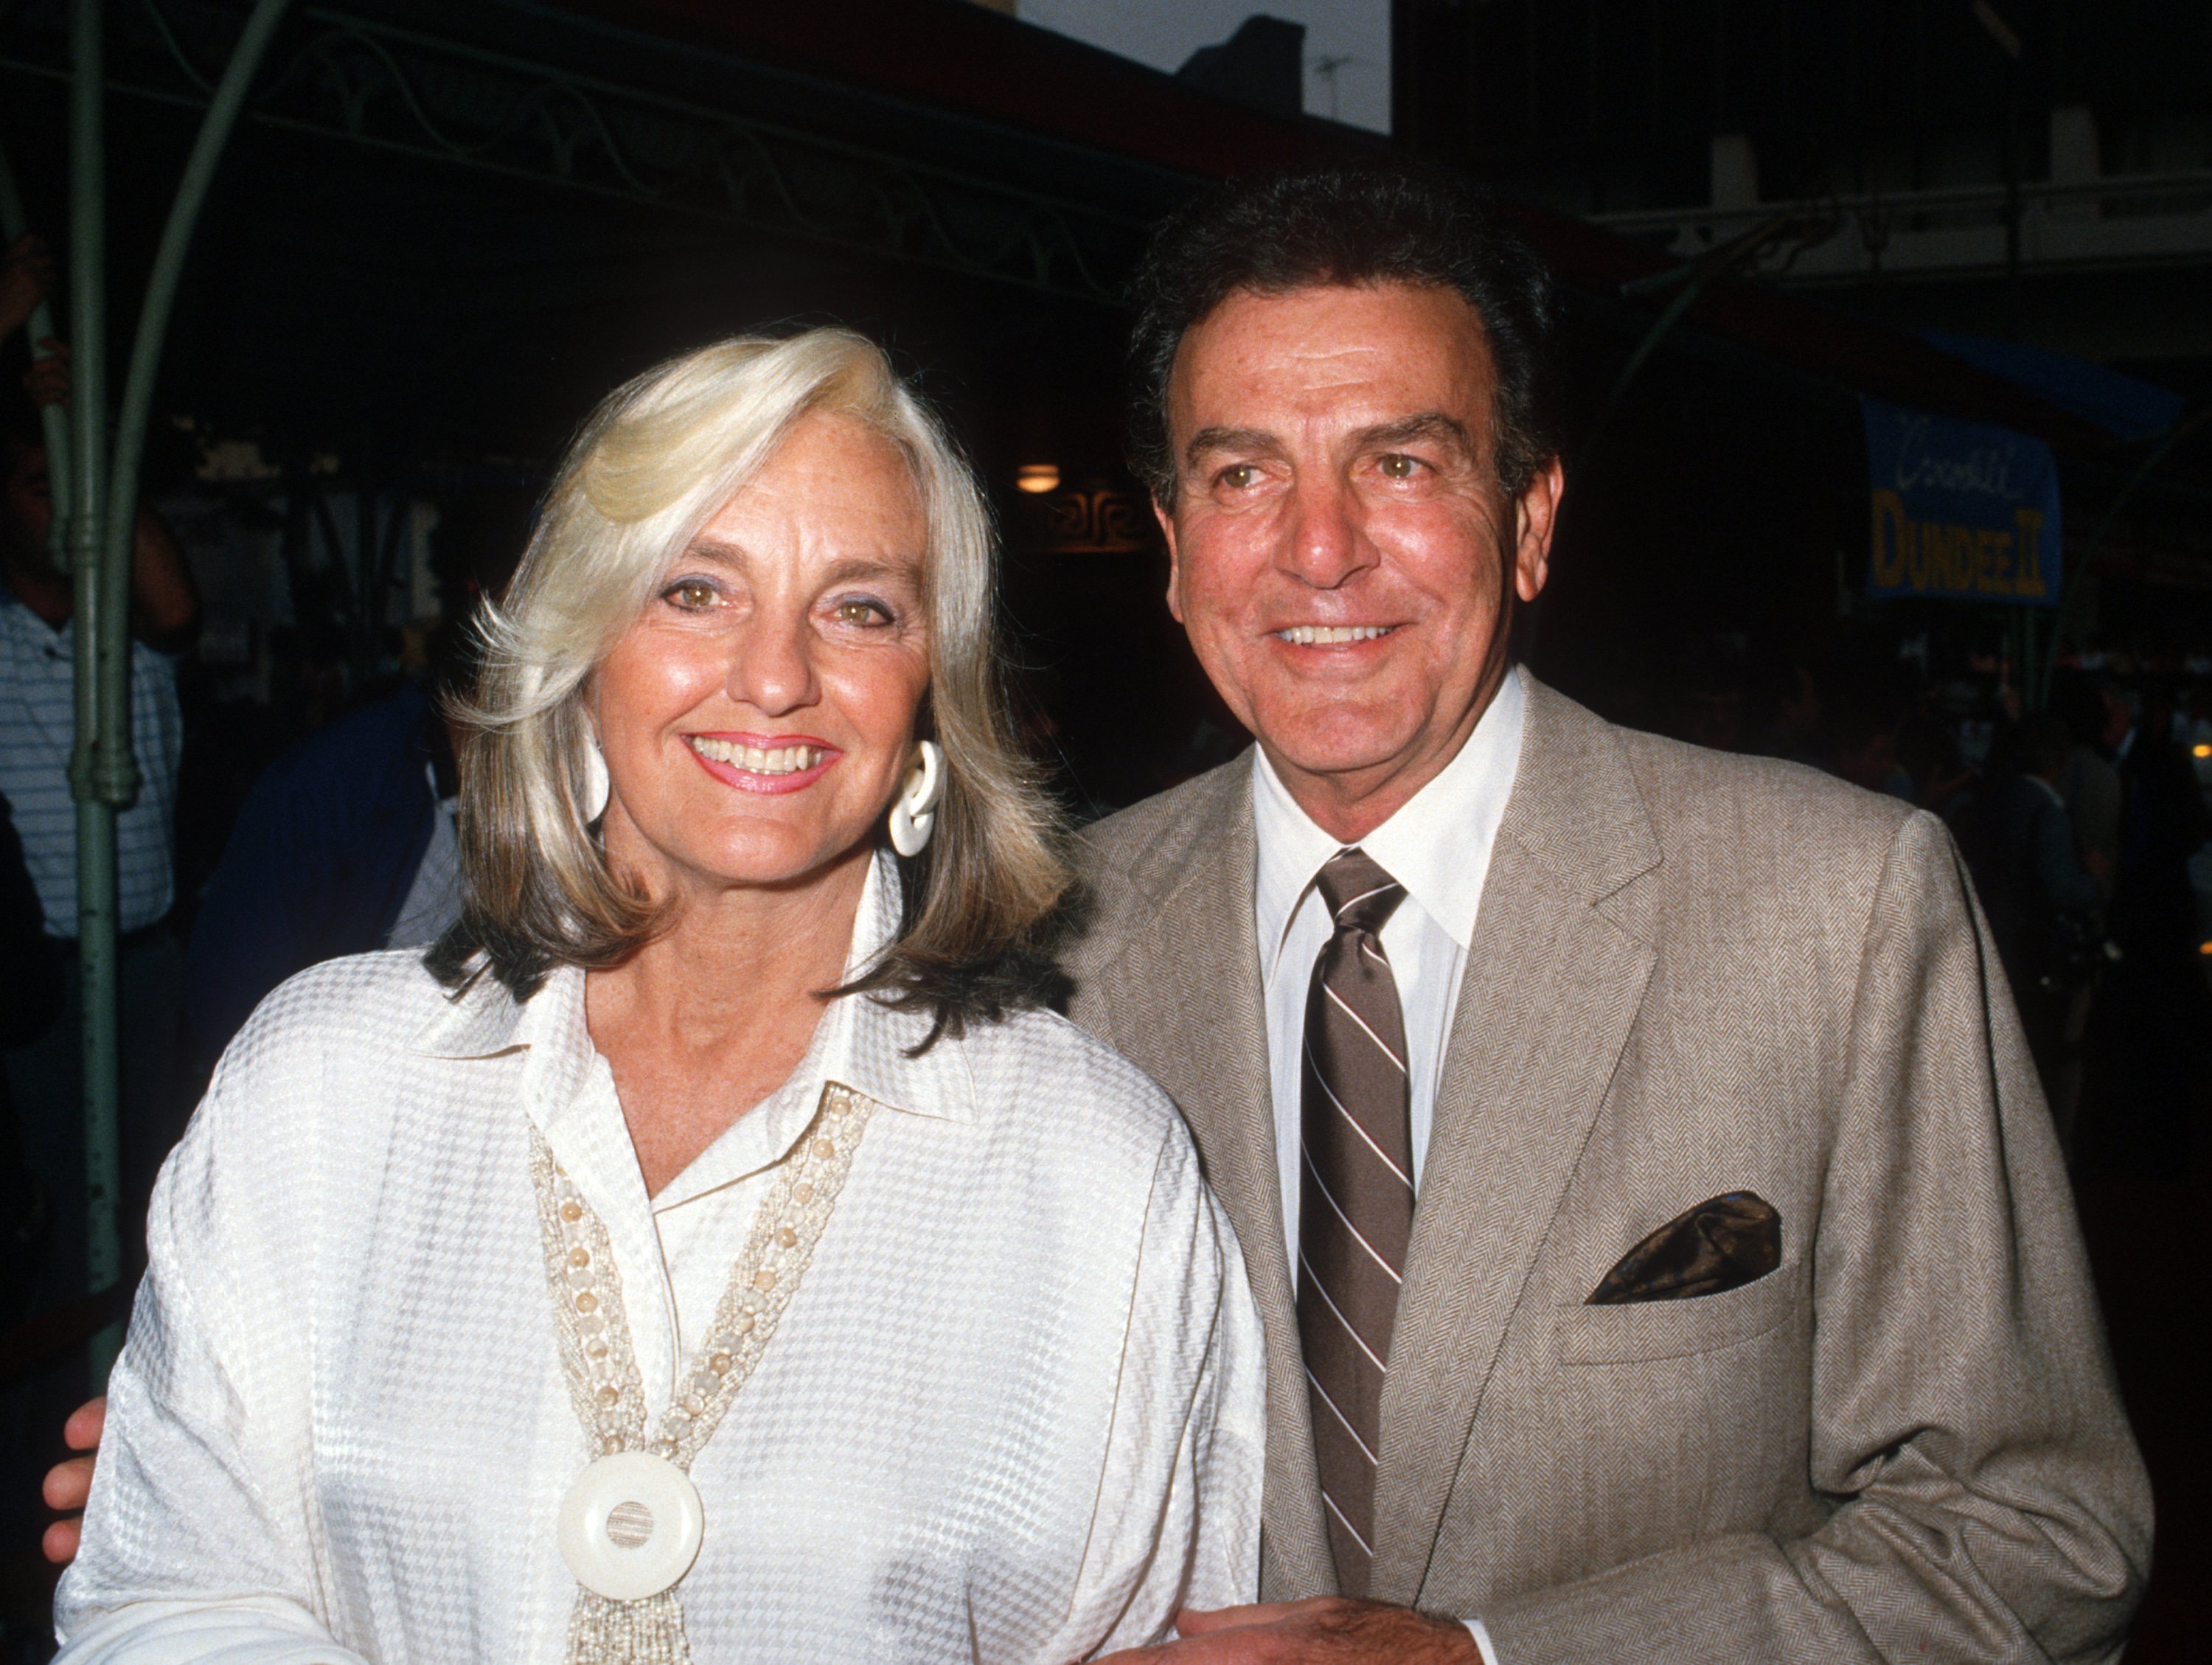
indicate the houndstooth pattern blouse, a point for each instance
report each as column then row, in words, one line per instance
column 1013, row 1412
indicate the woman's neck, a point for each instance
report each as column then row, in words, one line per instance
column 713, row 1015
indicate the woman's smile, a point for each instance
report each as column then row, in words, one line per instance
column 763, row 763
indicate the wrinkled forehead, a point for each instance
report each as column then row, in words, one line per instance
column 1361, row 351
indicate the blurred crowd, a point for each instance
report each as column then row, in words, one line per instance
column 2085, row 825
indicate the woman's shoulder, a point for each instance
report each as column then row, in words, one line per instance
column 314, row 1085
column 369, row 1006
column 1036, row 1061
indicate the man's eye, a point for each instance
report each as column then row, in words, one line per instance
column 1237, row 476
column 1398, row 466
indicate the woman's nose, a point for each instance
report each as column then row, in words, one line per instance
column 773, row 668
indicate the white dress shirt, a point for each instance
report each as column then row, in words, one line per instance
column 1437, row 846
column 1014, row 1411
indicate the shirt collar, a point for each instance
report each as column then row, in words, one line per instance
column 1423, row 846
column 861, row 1042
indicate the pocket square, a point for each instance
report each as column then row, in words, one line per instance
column 1722, row 1244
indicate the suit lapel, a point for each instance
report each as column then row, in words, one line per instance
column 1192, row 992
column 1552, row 986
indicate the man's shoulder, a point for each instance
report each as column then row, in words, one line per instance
column 1145, row 845
column 1692, row 789
column 1720, row 820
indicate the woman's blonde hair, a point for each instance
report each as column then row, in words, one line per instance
column 654, row 464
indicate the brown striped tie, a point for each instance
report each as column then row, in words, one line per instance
column 1356, row 1197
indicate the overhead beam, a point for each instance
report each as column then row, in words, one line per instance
column 341, row 75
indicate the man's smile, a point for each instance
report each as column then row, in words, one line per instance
column 1331, row 636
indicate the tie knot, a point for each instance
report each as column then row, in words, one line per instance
column 1359, row 894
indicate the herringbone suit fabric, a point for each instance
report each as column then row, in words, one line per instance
column 1692, row 974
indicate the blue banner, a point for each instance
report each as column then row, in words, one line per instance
column 1960, row 510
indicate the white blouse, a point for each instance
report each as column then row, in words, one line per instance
column 1013, row 1411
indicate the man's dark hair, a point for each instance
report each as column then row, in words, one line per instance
column 1275, row 233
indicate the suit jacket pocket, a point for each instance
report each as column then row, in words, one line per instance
column 1676, row 1329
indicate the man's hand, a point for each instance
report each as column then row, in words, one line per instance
column 69, row 1483
column 1326, row 1631
column 26, row 277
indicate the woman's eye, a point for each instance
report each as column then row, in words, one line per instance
column 861, row 612
column 691, row 594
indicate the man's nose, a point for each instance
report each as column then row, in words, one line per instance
column 772, row 669
column 1327, row 543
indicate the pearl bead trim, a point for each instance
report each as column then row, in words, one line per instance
column 601, row 1366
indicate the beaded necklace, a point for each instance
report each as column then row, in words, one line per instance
column 632, row 1522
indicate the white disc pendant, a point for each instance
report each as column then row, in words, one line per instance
column 630, row 1525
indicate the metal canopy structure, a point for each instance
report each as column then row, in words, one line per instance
column 370, row 80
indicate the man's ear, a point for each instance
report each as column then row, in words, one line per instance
column 1174, row 565
column 1535, row 514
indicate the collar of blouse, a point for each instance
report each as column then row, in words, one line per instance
column 566, row 1087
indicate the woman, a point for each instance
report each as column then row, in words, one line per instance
column 711, row 1250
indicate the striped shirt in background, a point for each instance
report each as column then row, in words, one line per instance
column 38, row 728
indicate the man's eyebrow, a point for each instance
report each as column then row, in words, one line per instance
column 1432, row 425
column 1208, row 440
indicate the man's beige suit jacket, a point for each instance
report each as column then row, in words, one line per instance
column 1693, row 974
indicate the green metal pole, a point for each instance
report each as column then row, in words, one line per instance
column 121, row 780
column 104, row 773
column 14, row 222
column 95, row 813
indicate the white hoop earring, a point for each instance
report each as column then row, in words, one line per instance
column 914, row 815
column 597, row 786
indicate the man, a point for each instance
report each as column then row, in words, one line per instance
column 1662, row 1246
column 348, row 842
column 2045, row 913
column 37, row 733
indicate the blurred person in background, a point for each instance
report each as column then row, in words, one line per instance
column 1929, row 755
column 2043, row 904
column 1860, row 726
column 1704, row 701
column 347, row 842
column 1786, row 711
column 2150, row 1040
column 27, row 276
column 38, row 733
column 30, row 1001
column 2095, row 720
